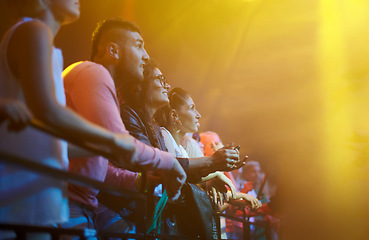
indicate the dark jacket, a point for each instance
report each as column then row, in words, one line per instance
column 141, row 131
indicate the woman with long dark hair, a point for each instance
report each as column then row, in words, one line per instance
column 142, row 101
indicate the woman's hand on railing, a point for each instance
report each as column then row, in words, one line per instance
column 244, row 199
column 15, row 112
column 216, row 188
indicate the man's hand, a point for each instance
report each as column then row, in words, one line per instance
column 174, row 180
column 249, row 200
column 124, row 145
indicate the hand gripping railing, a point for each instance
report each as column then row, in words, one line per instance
column 141, row 199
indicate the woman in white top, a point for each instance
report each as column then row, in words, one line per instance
column 30, row 72
column 181, row 117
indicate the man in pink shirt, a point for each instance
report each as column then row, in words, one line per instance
column 118, row 56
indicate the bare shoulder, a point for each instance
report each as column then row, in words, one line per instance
column 32, row 32
column 30, row 41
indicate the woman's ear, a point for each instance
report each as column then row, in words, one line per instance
column 173, row 115
column 112, row 50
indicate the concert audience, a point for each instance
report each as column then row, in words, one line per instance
column 30, row 68
column 118, row 92
column 92, row 90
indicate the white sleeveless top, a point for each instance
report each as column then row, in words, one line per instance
column 174, row 149
column 27, row 198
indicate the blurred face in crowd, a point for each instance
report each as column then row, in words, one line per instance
column 251, row 173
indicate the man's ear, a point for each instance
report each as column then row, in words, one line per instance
column 112, row 50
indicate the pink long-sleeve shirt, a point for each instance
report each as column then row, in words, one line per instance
column 91, row 92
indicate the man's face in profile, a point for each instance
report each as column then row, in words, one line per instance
column 133, row 56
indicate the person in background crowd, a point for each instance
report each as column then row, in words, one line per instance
column 249, row 181
column 213, row 143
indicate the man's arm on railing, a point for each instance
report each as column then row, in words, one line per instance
column 65, row 175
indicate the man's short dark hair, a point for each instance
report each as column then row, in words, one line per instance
column 106, row 25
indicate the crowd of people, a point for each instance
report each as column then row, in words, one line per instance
column 120, row 101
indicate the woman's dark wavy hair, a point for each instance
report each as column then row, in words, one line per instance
column 177, row 98
column 137, row 94
column 138, row 97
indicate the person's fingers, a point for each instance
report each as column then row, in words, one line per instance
column 174, row 190
column 233, row 191
column 254, row 204
column 229, row 167
column 229, row 183
column 214, row 195
column 225, row 197
column 14, row 115
column 220, row 196
column 22, row 112
column 176, row 179
column 238, row 165
column 257, row 204
column 220, row 145
column 233, row 154
column 25, row 117
column 230, row 145
column 211, row 197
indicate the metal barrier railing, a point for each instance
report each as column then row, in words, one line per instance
column 141, row 209
column 73, row 178
column 246, row 223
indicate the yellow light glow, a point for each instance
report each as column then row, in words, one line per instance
column 339, row 22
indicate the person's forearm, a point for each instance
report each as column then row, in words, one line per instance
column 71, row 124
column 77, row 152
column 210, row 176
column 202, row 165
